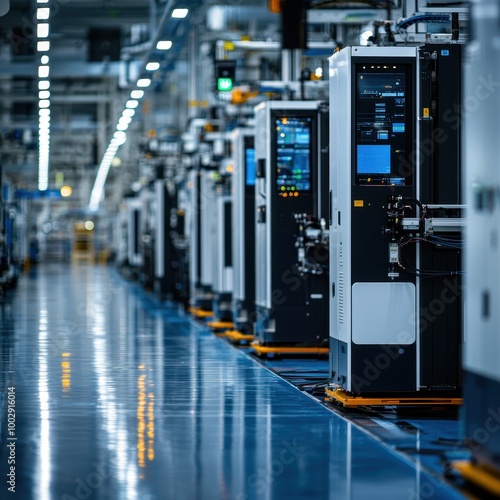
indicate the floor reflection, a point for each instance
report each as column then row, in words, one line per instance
column 119, row 397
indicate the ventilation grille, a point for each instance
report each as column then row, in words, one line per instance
column 341, row 296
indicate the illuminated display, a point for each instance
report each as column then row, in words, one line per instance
column 250, row 166
column 293, row 155
column 383, row 138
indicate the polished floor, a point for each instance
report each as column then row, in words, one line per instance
column 120, row 397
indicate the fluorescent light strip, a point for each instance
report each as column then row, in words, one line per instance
column 179, row 13
column 43, row 46
column 164, row 45
column 43, row 13
column 144, row 82
column 137, row 94
column 42, row 30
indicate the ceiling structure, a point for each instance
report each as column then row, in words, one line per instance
column 99, row 49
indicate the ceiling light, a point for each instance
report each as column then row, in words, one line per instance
column 44, row 112
column 152, row 66
column 180, row 13
column 128, row 112
column 43, row 94
column 132, row 103
column 43, row 85
column 43, row 71
column 43, row 46
column 122, row 127
column 125, row 119
column 66, row 191
column 137, row 94
column 42, row 1
column 143, row 82
column 44, row 103
column 164, row 45
column 44, row 59
column 42, row 13
column 42, row 30
column 119, row 140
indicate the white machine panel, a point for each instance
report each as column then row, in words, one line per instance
column 383, row 313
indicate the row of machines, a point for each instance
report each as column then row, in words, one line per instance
column 340, row 226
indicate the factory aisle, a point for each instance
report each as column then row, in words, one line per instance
column 119, row 397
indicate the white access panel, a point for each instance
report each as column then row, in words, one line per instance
column 383, row 313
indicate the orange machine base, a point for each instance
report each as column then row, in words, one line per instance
column 349, row 401
column 237, row 337
column 478, row 475
column 200, row 313
column 263, row 350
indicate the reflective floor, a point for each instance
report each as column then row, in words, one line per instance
column 119, row 397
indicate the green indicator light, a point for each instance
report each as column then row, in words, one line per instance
column 224, row 84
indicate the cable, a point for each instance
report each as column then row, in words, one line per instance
column 408, row 267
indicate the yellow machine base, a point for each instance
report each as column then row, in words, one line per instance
column 236, row 336
column 477, row 475
column 220, row 325
column 345, row 399
column 200, row 313
column 263, row 350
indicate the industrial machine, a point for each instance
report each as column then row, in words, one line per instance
column 223, row 251
column 482, row 291
column 396, row 221
column 288, row 158
column 243, row 229
column 129, row 256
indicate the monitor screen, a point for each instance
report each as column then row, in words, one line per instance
column 250, row 166
column 293, row 155
column 374, row 159
column 383, row 123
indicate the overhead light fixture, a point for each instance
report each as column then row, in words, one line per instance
column 43, row 71
column 143, row 82
column 152, row 66
column 66, row 191
column 128, row 112
column 44, row 112
column 42, row 13
column 42, row 1
column 132, row 103
column 164, row 45
column 44, row 103
column 42, row 30
column 137, row 94
column 43, row 84
column 43, row 94
column 122, row 126
column 44, row 59
column 180, row 13
column 43, row 46
column 125, row 119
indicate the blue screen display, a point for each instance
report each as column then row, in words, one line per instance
column 250, row 166
column 374, row 159
column 293, row 155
